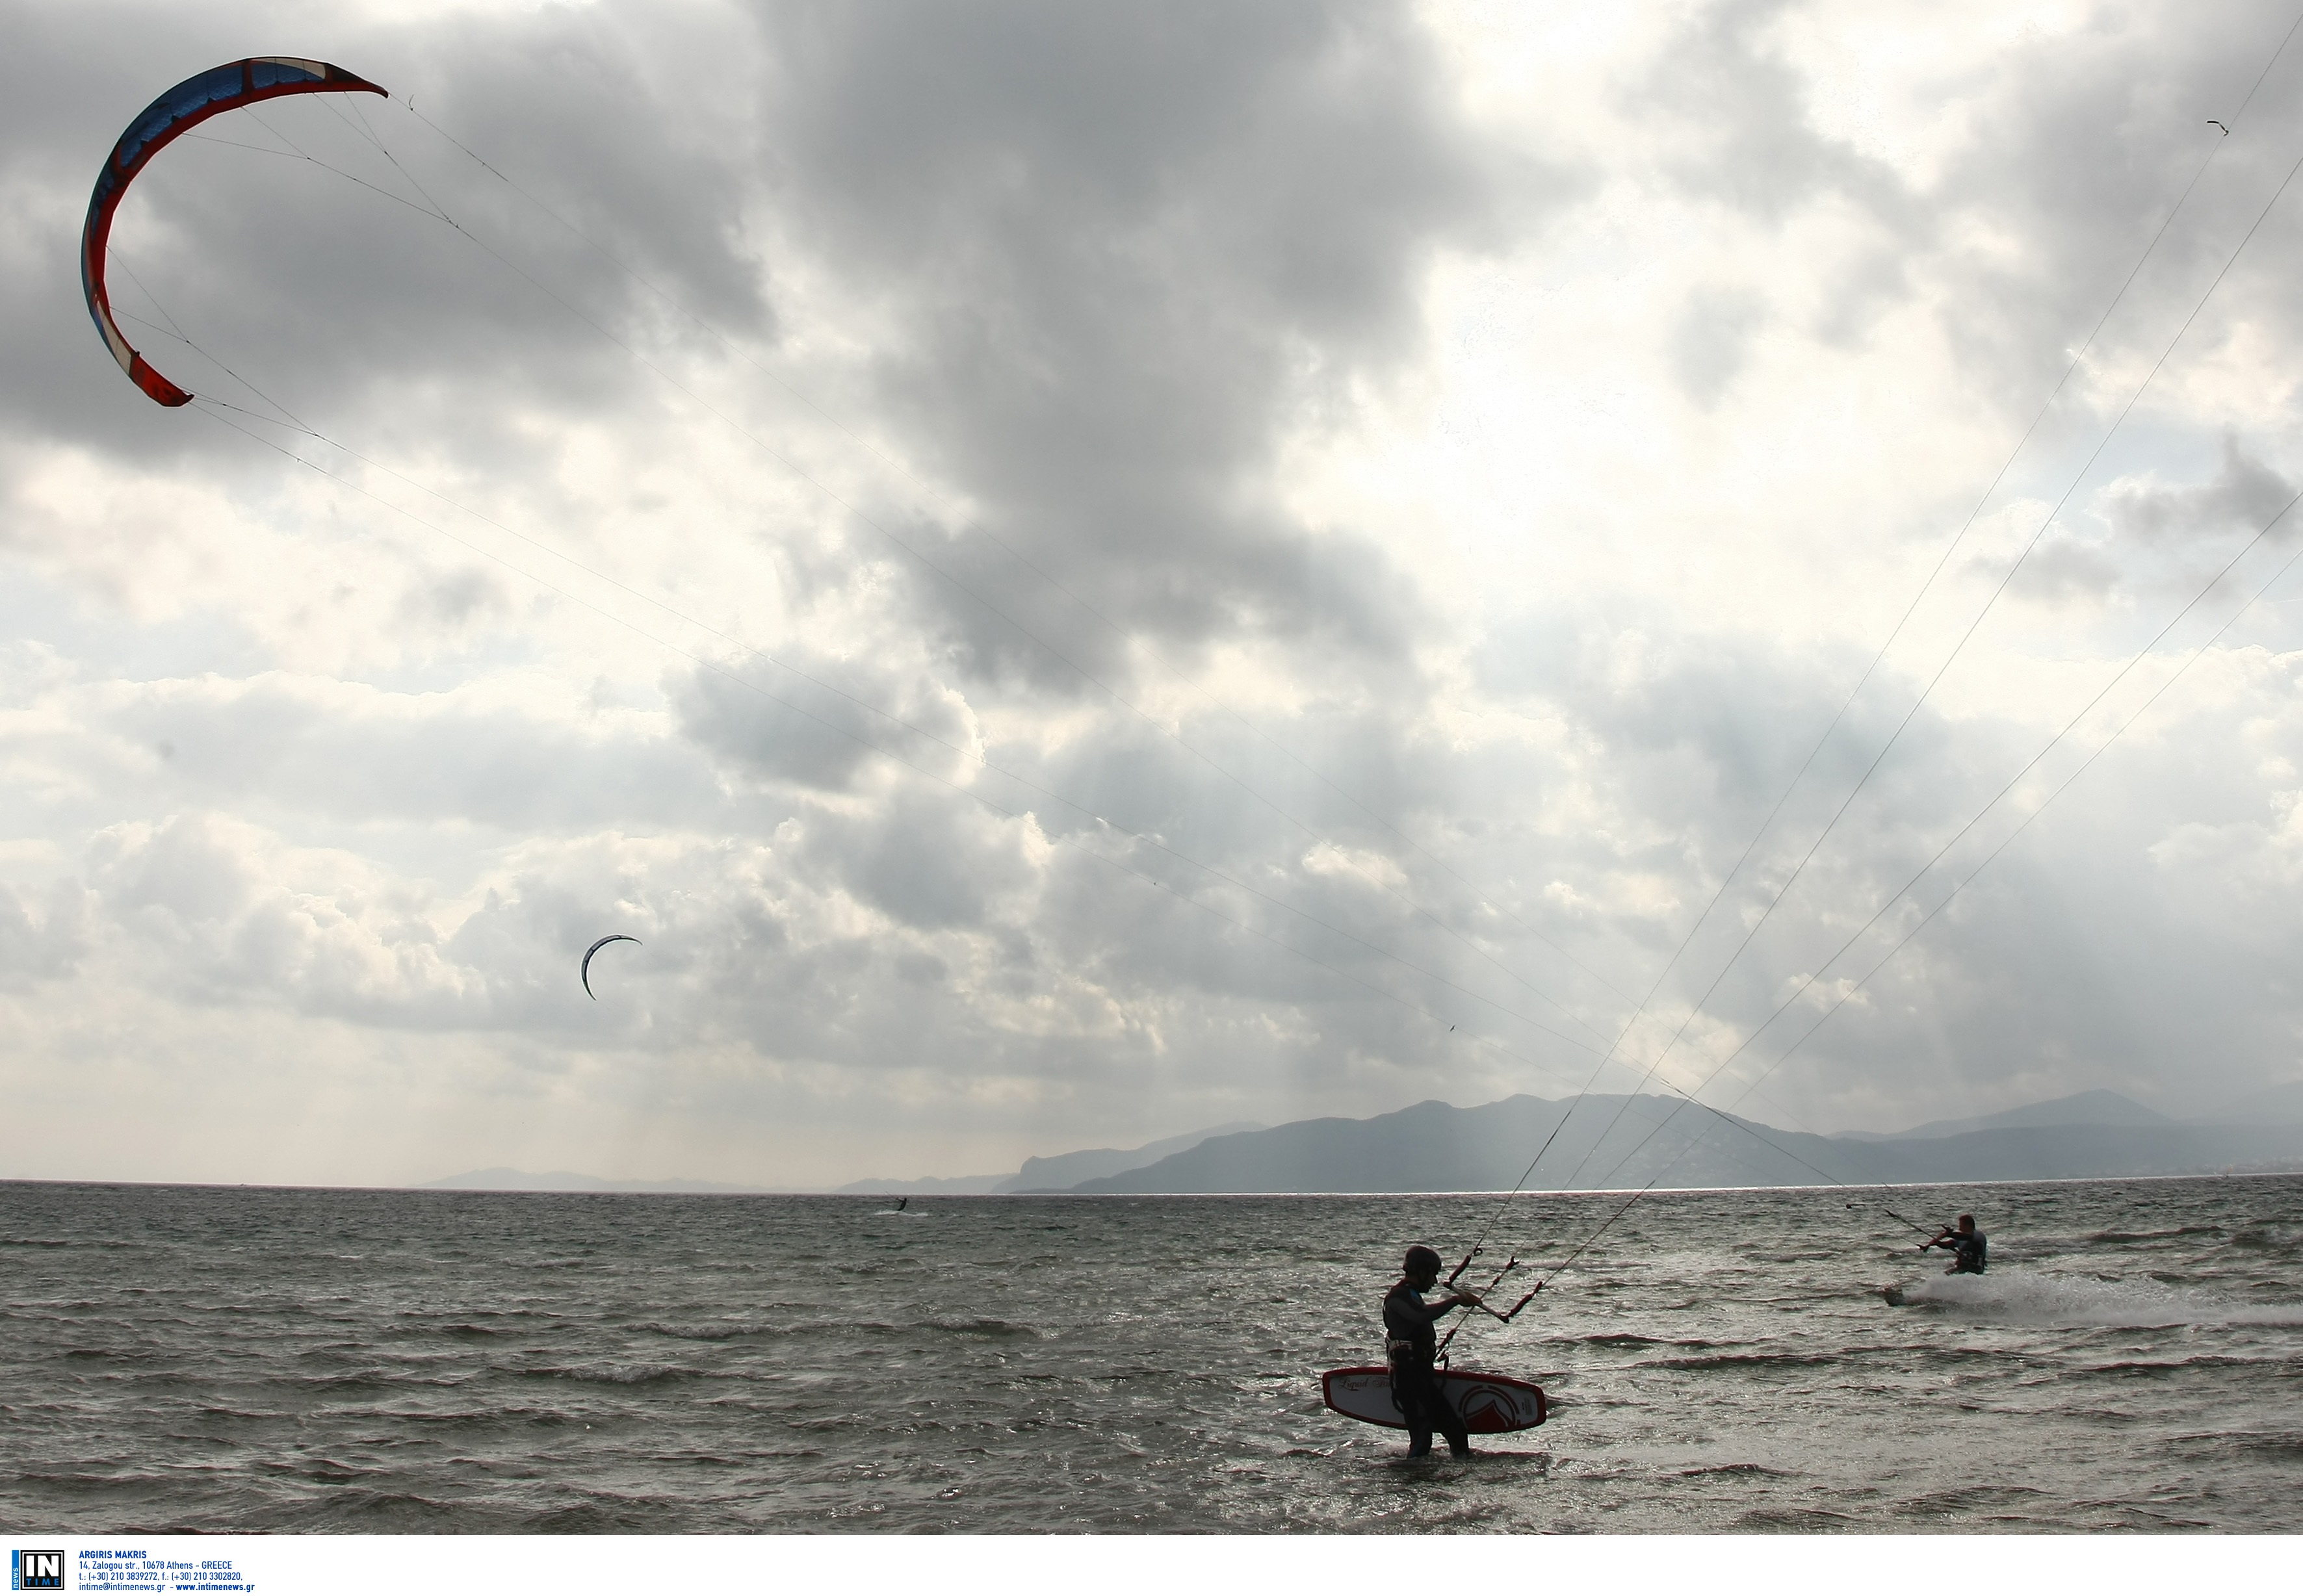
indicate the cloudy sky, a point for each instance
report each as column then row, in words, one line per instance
column 1073, row 574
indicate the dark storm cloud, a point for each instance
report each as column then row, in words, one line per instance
column 769, row 721
column 921, row 860
column 1122, row 250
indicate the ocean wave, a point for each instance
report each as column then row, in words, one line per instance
column 2020, row 1297
column 2266, row 1236
column 989, row 1329
column 451, row 1332
column 997, row 1329
column 482, row 1418
column 369, row 1507
column 609, row 1515
column 1746, row 1360
column 2156, row 1367
column 717, row 1332
column 1793, row 1520
column 2118, row 1238
column 366, row 1380
column 611, row 1372
column 325, row 1471
column 94, row 1243
column 2278, row 1445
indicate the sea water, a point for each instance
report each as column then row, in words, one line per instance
column 249, row 1359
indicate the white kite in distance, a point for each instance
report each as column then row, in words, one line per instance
column 585, row 972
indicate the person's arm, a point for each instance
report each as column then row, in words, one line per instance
column 1457, row 1300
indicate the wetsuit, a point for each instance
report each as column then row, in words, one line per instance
column 1411, row 1345
column 1969, row 1253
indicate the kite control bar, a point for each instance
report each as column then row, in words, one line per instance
column 1503, row 1317
column 1513, row 1312
column 1523, row 1302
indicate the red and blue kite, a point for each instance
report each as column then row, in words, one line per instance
column 183, row 107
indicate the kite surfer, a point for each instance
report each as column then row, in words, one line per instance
column 1410, row 1346
column 1967, row 1246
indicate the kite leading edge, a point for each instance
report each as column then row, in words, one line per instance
column 585, row 972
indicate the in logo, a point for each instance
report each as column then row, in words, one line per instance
column 35, row 1570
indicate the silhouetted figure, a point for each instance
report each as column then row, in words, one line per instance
column 1409, row 1345
column 1967, row 1245
column 902, row 1204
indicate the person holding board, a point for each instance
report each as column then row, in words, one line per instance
column 1967, row 1246
column 1410, row 1346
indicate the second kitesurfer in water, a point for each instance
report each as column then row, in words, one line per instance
column 1967, row 1246
column 1411, row 1345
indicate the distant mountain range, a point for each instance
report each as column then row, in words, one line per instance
column 1610, row 1143
column 1619, row 1143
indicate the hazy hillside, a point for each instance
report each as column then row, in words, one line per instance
column 1068, row 1169
column 2083, row 1108
column 1057, row 1172
column 1615, row 1143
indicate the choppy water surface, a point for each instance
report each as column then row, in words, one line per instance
column 252, row 1359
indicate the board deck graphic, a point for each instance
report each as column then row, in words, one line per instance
column 1490, row 1404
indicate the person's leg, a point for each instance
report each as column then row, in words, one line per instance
column 1408, row 1391
column 1450, row 1423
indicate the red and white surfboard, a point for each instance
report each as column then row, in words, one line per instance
column 1490, row 1404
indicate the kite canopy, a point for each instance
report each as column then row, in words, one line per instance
column 183, row 107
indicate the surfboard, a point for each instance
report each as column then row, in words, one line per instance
column 1490, row 1404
